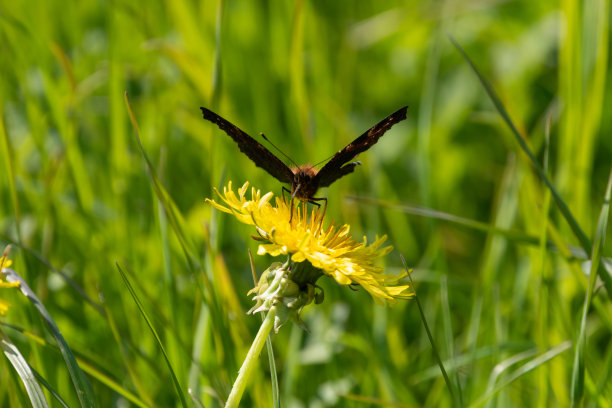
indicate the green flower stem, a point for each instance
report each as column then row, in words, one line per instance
column 251, row 360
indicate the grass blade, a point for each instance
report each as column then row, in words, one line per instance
column 567, row 214
column 578, row 372
column 509, row 234
column 175, row 381
column 533, row 364
column 175, row 219
column 50, row 389
column 448, row 332
column 504, row 365
column 196, row 401
column 80, row 382
column 449, row 384
column 7, row 157
column 60, row 273
column 35, row 392
column 170, row 208
column 91, row 369
column 113, row 384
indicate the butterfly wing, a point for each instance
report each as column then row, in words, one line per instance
column 254, row 150
column 337, row 167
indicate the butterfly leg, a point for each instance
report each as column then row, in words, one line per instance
column 291, row 200
column 314, row 201
column 297, row 188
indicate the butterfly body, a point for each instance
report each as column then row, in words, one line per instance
column 302, row 186
column 306, row 180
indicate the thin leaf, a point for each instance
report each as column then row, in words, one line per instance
column 463, row 362
column 34, row 391
column 88, row 368
column 577, row 390
column 8, row 158
column 63, row 275
column 449, row 384
column 567, row 214
column 509, row 234
column 371, row 401
column 167, row 203
column 177, row 222
column 533, row 364
column 112, row 384
column 195, row 399
column 448, row 331
column 49, row 388
column 79, row 380
column 177, row 385
column 505, row 365
column 216, row 74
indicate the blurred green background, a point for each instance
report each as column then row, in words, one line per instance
column 312, row 75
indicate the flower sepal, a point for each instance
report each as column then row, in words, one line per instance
column 282, row 287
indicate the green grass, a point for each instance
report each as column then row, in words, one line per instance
column 147, row 285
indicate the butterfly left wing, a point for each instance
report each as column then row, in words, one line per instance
column 337, row 167
column 255, row 151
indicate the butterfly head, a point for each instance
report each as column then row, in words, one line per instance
column 304, row 185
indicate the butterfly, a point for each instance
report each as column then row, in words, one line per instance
column 306, row 180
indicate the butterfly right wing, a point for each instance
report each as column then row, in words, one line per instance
column 254, row 150
column 338, row 165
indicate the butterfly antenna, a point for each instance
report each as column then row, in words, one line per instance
column 323, row 161
column 279, row 150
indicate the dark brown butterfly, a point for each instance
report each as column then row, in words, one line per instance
column 306, row 180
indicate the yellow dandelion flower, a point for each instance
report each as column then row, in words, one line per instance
column 5, row 263
column 331, row 250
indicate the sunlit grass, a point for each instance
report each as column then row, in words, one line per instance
column 502, row 277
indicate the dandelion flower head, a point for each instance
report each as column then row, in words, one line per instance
column 332, row 250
